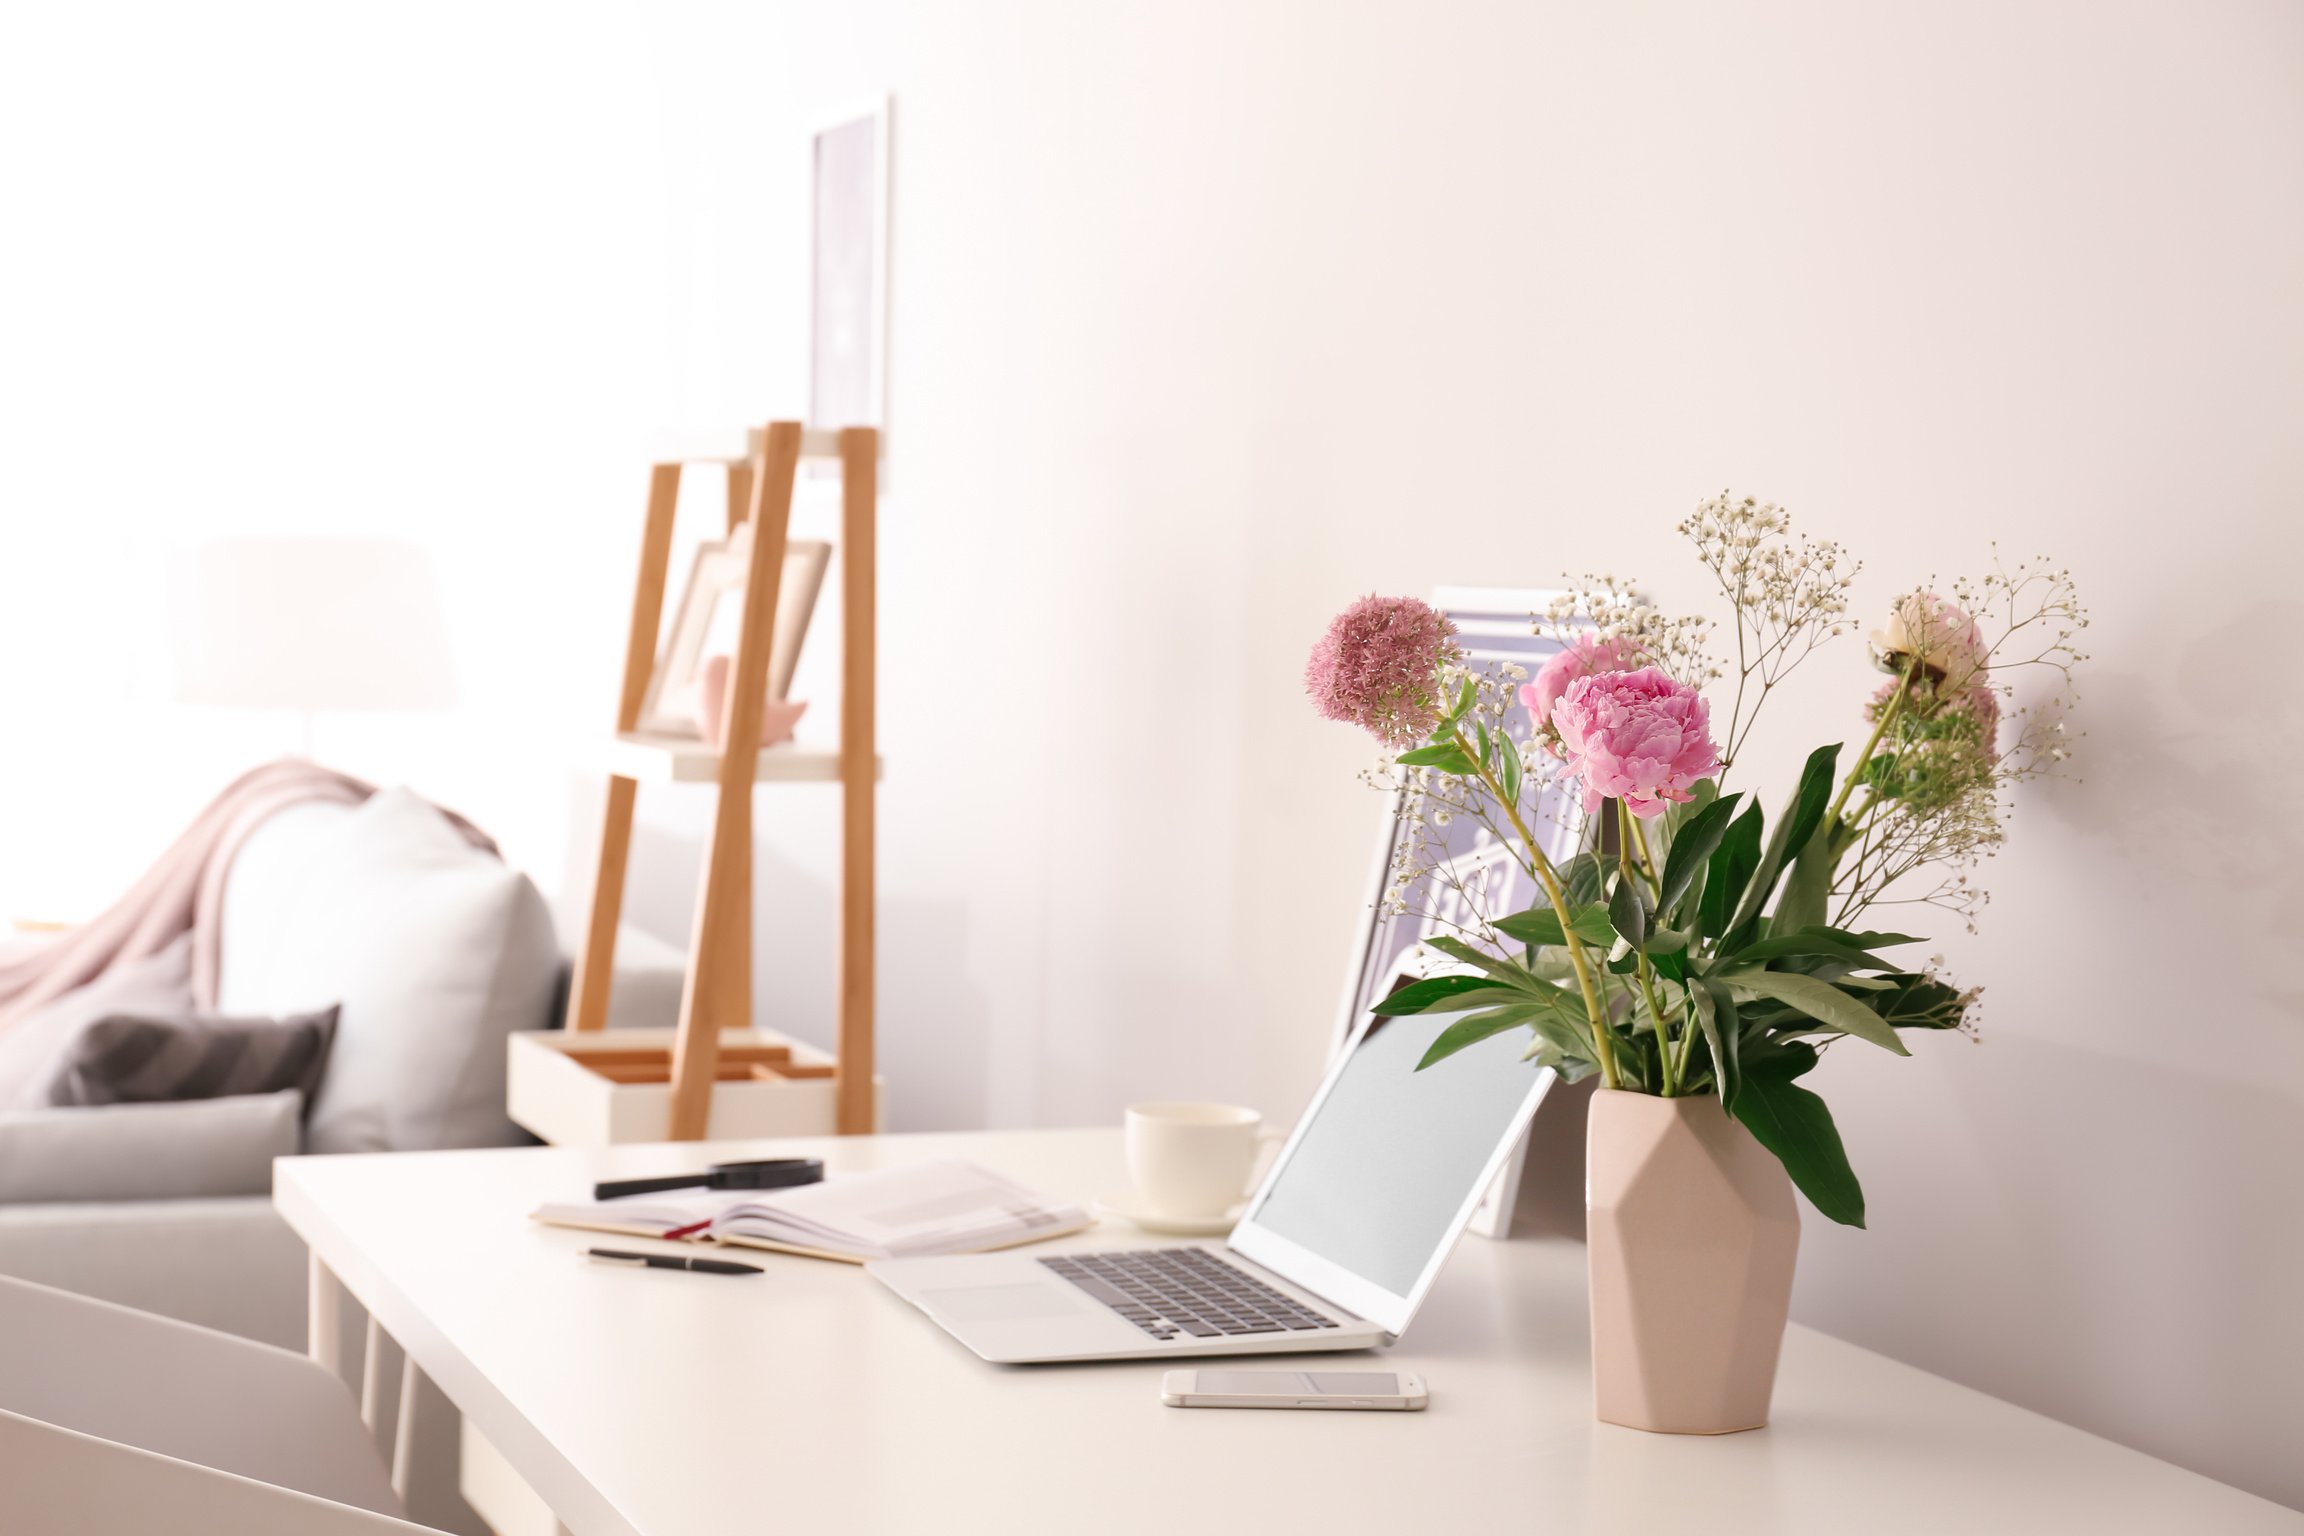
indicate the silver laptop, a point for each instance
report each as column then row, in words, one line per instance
column 1336, row 1249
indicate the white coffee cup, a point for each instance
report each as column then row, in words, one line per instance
column 1192, row 1159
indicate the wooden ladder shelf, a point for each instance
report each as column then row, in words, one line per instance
column 717, row 994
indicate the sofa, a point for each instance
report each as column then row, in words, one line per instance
column 431, row 951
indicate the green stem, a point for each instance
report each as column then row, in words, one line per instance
column 1688, row 1043
column 1888, row 713
column 1647, row 859
column 1624, row 820
column 1549, row 879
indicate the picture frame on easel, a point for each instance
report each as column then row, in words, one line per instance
column 704, row 625
column 1494, row 625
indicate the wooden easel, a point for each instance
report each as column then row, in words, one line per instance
column 718, row 992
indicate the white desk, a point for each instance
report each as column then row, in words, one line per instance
column 810, row 1400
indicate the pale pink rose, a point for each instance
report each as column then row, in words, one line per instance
column 1950, row 647
column 1583, row 656
column 1638, row 737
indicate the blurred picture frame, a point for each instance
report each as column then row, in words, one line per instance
column 848, row 268
column 705, row 624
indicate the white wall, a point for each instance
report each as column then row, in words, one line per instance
column 1208, row 317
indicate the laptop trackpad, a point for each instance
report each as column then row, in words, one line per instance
column 1001, row 1303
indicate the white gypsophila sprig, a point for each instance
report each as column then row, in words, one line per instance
column 1420, row 881
column 1949, row 809
column 2032, row 618
column 1607, row 607
column 1789, row 594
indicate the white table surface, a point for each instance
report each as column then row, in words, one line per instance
column 811, row 1400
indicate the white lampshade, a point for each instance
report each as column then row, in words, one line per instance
column 310, row 625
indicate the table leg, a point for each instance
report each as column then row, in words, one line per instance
column 324, row 1319
column 412, row 1385
column 381, row 1367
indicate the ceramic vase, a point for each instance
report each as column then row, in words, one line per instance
column 1693, row 1233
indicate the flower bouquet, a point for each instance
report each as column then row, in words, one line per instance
column 1697, row 954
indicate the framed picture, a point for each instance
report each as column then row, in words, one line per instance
column 1494, row 626
column 848, row 267
column 710, row 613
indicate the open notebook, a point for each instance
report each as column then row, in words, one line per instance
column 937, row 1206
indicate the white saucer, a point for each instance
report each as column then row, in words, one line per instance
column 1127, row 1205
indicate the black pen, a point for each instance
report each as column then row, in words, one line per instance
column 672, row 1261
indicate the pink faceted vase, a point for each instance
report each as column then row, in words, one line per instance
column 1693, row 1233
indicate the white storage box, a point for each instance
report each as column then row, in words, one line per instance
column 600, row 1087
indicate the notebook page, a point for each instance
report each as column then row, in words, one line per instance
column 653, row 1215
column 941, row 1205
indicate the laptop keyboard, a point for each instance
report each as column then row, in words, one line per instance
column 1166, row 1291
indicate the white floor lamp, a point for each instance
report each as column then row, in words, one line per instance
column 310, row 625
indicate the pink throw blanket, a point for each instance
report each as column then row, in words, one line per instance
column 183, row 892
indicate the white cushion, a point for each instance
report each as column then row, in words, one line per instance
column 167, row 1151
column 433, row 950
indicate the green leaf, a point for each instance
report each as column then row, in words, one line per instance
column 1730, row 868
column 1471, row 1030
column 1808, row 887
column 1813, row 940
column 1692, row 850
column 1716, row 1016
column 1456, row 949
column 1667, row 954
column 1920, row 1002
column 1871, row 939
column 1573, row 1066
column 1446, row 757
column 1527, row 988
column 1508, row 768
column 1628, row 912
column 1678, row 814
column 1795, row 1125
column 1791, row 835
column 1821, row 1001
column 1440, row 993
column 1541, row 925
column 1569, row 1038
column 1584, row 879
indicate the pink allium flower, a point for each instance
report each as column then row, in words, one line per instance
column 1584, row 655
column 1638, row 737
column 1982, row 705
column 1950, row 647
column 1378, row 667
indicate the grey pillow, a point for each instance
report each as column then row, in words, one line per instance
column 134, row 1059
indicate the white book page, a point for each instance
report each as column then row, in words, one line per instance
column 659, row 1213
column 942, row 1205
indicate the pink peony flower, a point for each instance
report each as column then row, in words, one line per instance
column 1584, row 655
column 1638, row 737
column 1950, row 647
column 1378, row 667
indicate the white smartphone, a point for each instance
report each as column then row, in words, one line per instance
column 1396, row 1390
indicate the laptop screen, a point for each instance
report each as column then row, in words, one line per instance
column 1388, row 1163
